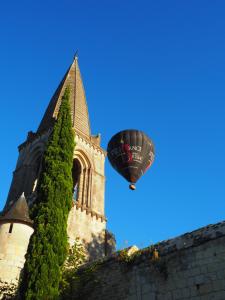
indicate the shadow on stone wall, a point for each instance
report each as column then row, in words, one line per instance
column 103, row 244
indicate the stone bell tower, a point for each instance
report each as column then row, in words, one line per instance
column 86, row 219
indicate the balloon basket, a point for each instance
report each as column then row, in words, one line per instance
column 132, row 187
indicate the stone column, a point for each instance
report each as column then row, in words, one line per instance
column 80, row 190
column 89, row 187
column 84, row 187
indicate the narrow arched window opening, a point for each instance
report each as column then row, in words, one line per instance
column 76, row 172
column 37, row 170
column 11, row 228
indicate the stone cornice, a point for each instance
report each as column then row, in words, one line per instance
column 88, row 211
column 32, row 136
column 88, row 141
column 12, row 220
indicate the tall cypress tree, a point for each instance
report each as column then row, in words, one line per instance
column 48, row 245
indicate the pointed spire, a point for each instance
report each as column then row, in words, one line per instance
column 76, row 55
column 18, row 212
column 79, row 109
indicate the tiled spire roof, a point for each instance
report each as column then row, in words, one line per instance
column 18, row 212
column 79, row 110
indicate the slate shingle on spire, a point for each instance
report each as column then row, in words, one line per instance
column 19, row 212
column 79, row 109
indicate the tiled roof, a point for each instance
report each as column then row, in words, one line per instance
column 79, row 110
column 18, row 212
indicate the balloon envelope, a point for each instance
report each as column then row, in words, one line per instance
column 131, row 153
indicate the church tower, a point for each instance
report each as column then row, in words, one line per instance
column 86, row 219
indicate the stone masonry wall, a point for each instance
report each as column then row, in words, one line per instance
column 13, row 247
column 191, row 266
column 90, row 229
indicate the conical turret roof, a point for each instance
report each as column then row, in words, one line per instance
column 18, row 212
column 79, row 109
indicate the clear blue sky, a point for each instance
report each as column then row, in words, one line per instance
column 157, row 66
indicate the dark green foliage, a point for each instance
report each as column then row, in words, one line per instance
column 48, row 246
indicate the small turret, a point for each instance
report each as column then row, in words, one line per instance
column 15, row 231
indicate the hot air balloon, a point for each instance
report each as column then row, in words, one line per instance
column 131, row 153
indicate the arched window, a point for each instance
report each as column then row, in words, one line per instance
column 82, row 179
column 32, row 164
column 36, row 172
column 76, row 172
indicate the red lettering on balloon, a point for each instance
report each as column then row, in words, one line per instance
column 126, row 150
